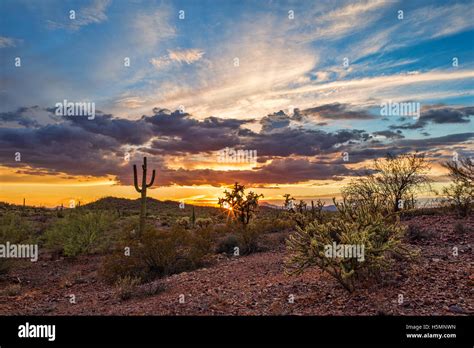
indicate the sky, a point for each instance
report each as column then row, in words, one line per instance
column 305, row 84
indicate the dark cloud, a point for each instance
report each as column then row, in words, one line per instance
column 280, row 171
column 439, row 115
column 337, row 111
column 22, row 116
column 390, row 134
column 78, row 146
column 277, row 121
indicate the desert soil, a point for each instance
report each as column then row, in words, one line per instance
column 437, row 283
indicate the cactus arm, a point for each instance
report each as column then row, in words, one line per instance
column 152, row 179
column 135, row 181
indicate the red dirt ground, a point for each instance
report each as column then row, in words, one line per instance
column 437, row 283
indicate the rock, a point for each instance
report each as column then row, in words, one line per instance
column 457, row 309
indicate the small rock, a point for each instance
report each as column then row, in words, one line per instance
column 456, row 309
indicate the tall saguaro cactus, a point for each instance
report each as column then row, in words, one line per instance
column 142, row 191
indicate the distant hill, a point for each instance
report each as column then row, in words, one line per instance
column 153, row 205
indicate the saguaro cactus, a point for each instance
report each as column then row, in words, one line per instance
column 143, row 192
column 193, row 218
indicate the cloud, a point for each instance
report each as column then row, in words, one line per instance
column 189, row 56
column 185, row 56
column 92, row 14
column 439, row 115
column 337, row 111
column 20, row 116
column 277, row 121
column 331, row 24
column 287, row 154
column 150, row 29
column 279, row 171
column 389, row 134
column 9, row 42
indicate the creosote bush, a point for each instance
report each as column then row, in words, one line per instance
column 359, row 225
column 158, row 253
column 14, row 229
column 80, row 232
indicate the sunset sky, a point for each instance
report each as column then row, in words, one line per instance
column 299, row 82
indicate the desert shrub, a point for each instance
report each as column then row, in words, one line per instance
column 201, row 244
column 14, row 229
column 79, row 232
column 158, row 253
column 379, row 235
column 274, row 225
column 249, row 239
column 392, row 184
column 126, row 287
column 183, row 222
column 203, row 222
column 460, row 196
column 227, row 244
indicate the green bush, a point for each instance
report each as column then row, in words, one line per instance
column 249, row 239
column 80, row 232
column 158, row 253
column 227, row 244
column 14, row 229
column 379, row 235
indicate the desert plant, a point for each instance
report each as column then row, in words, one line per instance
column 193, row 218
column 203, row 222
column 227, row 244
column 142, row 191
column 249, row 240
column 157, row 253
column 14, row 229
column 126, row 287
column 376, row 236
column 79, row 232
column 392, row 185
column 288, row 204
column 183, row 222
column 317, row 210
column 301, row 207
column 460, row 194
column 239, row 205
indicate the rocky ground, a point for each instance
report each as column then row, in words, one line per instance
column 436, row 283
